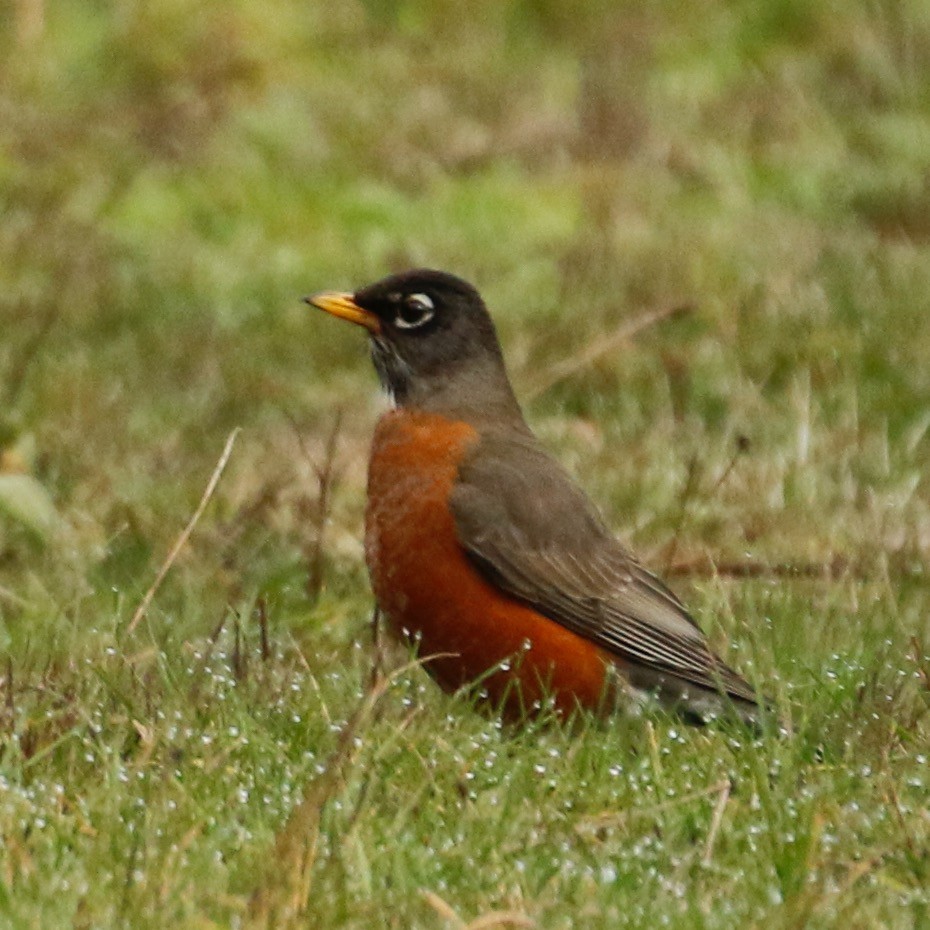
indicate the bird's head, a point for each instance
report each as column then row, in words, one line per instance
column 432, row 340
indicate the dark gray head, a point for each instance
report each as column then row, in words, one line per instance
column 432, row 341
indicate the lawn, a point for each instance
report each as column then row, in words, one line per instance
column 704, row 233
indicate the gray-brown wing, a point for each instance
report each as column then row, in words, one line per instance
column 532, row 531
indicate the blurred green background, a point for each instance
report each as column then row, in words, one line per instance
column 174, row 176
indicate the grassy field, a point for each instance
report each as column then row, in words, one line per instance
column 174, row 176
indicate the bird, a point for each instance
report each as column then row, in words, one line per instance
column 485, row 554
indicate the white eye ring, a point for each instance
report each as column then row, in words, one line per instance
column 420, row 304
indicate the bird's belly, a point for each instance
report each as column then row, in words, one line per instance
column 466, row 629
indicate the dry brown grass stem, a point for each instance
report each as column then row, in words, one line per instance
column 703, row 566
column 486, row 921
column 181, row 541
column 281, row 898
column 715, row 822
column 590, row 353
column 501, row 919
column 442, row 907
column 596, row 822
column 325, row 476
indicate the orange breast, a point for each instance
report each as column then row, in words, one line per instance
column 430, row 591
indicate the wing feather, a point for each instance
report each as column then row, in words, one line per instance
column 528, row 527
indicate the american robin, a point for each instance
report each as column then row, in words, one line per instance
column 484, row 551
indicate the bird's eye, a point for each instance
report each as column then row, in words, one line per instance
column 414, row 311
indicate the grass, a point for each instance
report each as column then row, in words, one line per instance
column 172, row 180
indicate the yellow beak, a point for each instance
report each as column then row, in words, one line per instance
column 345, row 307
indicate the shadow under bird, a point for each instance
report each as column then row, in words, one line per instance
column 483, row 550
